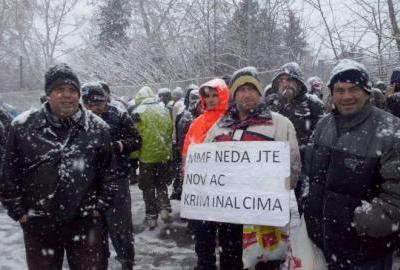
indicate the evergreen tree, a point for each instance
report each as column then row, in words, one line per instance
column 267, row 39
column 294, row 37
column 113, row 20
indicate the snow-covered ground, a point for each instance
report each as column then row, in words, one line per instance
column 168, row 247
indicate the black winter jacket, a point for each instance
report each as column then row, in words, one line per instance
column 393, row 104
column 304, row 113
column 55, row 168
column 5, row 119
column 122, row 129
column 185, row 119
column 355, row 161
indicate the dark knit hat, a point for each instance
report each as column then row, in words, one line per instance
column 93, row 92
column 105, row 86
column 395, row 78
column 227, row 78
column 244, row 76
column 352, row 72
column 60, row 74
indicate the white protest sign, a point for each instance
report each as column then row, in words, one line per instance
column 237, row 182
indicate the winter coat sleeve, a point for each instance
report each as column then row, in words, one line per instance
column 381, row 217
column 11, row 182
column 182, row 130
column 107, row 187
column 2, row 144
column 317, row 111
column 188, row 140
column 295, row 162
column 131, row 139
column 314, row 200
column 393, row 104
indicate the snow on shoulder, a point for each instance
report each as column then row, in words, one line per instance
column 22, row 117
column 96, row 118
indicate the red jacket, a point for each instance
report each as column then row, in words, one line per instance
column 202, row 124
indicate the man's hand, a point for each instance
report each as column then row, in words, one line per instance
column 370, row 219
column 24, row 219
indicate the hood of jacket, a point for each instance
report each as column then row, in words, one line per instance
column 293, row 70
column 202, row 124
column 143, row 93
column 223, row 95
column 395, row 78
column 189, row 90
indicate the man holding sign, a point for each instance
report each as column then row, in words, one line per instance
column 234, row 183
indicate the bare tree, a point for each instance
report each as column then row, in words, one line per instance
column 54, row 26
column 331, row 29
column 395, row 25
column 173, row 40
column 16, row 19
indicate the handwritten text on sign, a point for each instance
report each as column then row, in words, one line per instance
column 237, row 182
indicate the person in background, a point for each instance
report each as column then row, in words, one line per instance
column 177, row 107
column 192, row 110
column 381, row 86
column 125, row 139
column 58, row 178
column 43, row 98
column 376, row 98
column 153, row 121
column 164, row 94
column 316, row 87
column 353, row 207
column 302, row 109
column 133, row 159
column 393, row 93
column 112, row 99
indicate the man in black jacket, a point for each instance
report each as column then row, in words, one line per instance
column 303, row 110
column 183, row 121
column 353, row 207
column 393, row 93
column 289, row 97
column 125, row 139
column 58, row 179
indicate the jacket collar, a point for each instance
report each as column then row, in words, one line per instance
column 260, row 115
column 47, row 118
column 347, row 122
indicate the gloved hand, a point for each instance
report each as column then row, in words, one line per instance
column 370, row 219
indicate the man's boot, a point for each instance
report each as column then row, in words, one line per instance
column 126, row 266
column 164, row 214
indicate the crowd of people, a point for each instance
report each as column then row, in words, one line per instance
column 66, row 167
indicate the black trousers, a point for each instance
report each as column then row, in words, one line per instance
column 84, row 241
column 154, row 179
column 230, row 242
column 119, row 223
